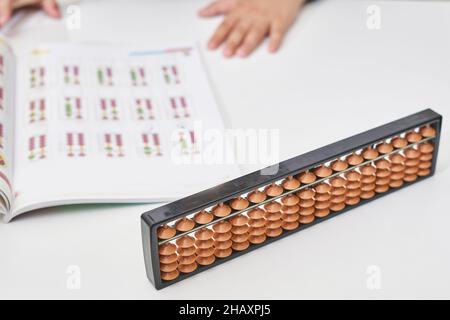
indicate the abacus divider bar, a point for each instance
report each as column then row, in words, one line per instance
column 243, row 185
column 252, row 181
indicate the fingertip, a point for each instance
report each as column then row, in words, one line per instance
column 242, row 53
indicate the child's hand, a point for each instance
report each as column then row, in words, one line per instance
column 248, row 22
column 8, row 6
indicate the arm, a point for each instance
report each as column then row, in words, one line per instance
column 8, row 6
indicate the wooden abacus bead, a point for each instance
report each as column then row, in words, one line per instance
column 306, row 194
column 168, row 261
column 222, row 237
column 273, row 207
column 239, row 204
column 222, row 210
column 370, row 154
column 204, row 234
column 385, row 148
column 322, row 213
column 290, row 200
column 354, row 182
column 355, row 160
column 186, row 263
column 339, row 166
column 170, row 276
column 257, row 196
column 425, row 165
column 257, row 224
column 338, row 182
column 203, row 217
column 426, row 148
column 168, row 267
column 184, row 225
column 307, row 219
column 307, row 177
column 290, row 216
column 240, row 233
column 399, row 143
column 167, row 249
column 274, row 190
column 413, row 137
column 291, row 184
column 338, row 193
column 166, row 232
column 257, row 239
column 412, row 164
column 323, row 172
column 428, row 132
column 273, row 225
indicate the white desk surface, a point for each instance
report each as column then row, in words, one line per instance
column 332, row 79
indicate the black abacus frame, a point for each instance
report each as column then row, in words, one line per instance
column 150, row 221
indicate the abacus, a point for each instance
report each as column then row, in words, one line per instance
column 207, row 229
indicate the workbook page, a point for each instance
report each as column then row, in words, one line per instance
column 6, row 124
column 106, row 124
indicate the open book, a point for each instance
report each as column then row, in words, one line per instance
column 104, row 124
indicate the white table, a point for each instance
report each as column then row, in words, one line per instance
column 333, row 78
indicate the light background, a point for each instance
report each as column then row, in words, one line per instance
column 332, row 79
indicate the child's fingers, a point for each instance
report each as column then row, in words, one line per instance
column 254, row 37
column 235, row 39
column 5, row 11
column 221, row 33
column 51, row 8
column 277, row 31
column 217, row 8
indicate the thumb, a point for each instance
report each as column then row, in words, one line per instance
column 5, row 11
column 216, row 8
column 51, row 8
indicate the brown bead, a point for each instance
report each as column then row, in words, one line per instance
column 273, row 233
column 428, row 132
column 257, row 231
column 289, row 226
column 307, row 211
column 398, row 168
column 257, row 223
column 204, row 244
column 355, row 160
column 322, row 213
column 187, row 260
column 256, row 214
column 206, row 261
column 185, row 242
column 368, row 195
column 323, row 188
column 257, row 197
column 291, row 184
column 274, row 216
column 322, row 197
column 337, row 199
column 396, row 183
column 398, row 176
column 353, row 201
column 322, row 205
column 410, row 177
column 425, row 165
column 222, row 227
column 337, row 207
column 413, row 137
column 290, row 217
column 307, row 203
column 338, row 191
column 207, row 252
column 223, row 236
column 412, row 162
column 424, row 173
column 274, row 224
column 382, row 189
column 273, row 207
column 385, row 148
column 165, row 232
column 221, row 211
column 306, row 219
column 203, row 217
column 426, row 148
column 368, row 187
column 170, row 276
column 290, row 209
column 368, row 179
column 257, row 239
column 339, row 166
column 241, row 246
column 323, row 172
column 290, row 200
column 187, row 268
column 338, row 182
column 223, row 245
column 354, row 193
column 167, row 249
column 239, row 220
column 370, row 154
column 184, row 225
column 186, row 252
column 353, row 176
column 383, row 164
column 383, row 173
column 239, row 238
column 274, row 190
column 223, row 253
column 239, row 204
column 426, row 157
column 354, row 185
column 382, row 181
column 306, row 194
column 397, row 158
column 168, row 259
column 307, row 177
column 399, row 143
column 204, row 234
column 240, row 230
column 368, row 170
column 168, row 267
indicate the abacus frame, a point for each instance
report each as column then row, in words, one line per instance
column 150, row 221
